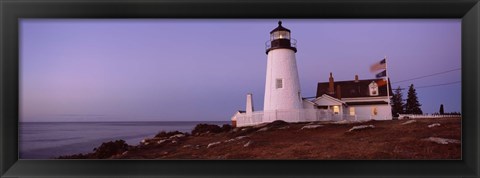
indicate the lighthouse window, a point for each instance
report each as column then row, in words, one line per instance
column 279, row 83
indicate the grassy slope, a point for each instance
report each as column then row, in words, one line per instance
column 388, row 140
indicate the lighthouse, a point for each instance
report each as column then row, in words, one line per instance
column 282, row 86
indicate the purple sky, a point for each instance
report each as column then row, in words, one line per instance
column 181, row 70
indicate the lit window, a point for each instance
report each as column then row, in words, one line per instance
column 352, row 111
column 336, row 110
column 374, row 111
column 279, row 83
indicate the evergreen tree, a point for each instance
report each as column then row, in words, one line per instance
column 441, row 110
column 412, row 106
column 397, row 102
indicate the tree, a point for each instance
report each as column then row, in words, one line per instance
column 412, row 106
column 397, row 102
column 441, row 110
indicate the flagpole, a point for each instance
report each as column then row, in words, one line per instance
column 388, row 87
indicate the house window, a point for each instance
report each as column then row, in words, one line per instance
column 279, row 83
column 373, row 88
column 374, row 111
column 336, row 110
column 352, row 111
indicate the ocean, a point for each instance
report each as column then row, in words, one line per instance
column 47, row 140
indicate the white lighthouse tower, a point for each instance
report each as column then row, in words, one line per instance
column 282, row 86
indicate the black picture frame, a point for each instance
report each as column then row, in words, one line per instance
column 12, row 10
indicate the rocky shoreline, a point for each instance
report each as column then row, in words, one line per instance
column 437, row 138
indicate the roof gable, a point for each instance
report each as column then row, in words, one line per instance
column 326, row 100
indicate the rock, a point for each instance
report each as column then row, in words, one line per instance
column 161, row 141
column 434, row 125
column 247, row 144
column 213, row 144
column 277, row 123
column 187, row 146
column 177, row 136
column 442, row 141
column 311, row 127
column 206, row 128
column 226, row 127
column 361, row 127
column 409, row 122
column 237, row 138
column 197, row 147
column 164, row 134
column 262, row 129
column 174, row 141
column 260, row 125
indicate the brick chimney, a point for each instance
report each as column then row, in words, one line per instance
column 356, row 78
column 330, row 85
column 339, row 92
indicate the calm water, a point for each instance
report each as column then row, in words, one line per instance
column 46, row 140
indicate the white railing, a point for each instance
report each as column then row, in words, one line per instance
column 297, row 115
column 417, row 116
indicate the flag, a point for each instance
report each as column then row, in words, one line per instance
column 382, row 74
column 382, row 82
column 378, row 66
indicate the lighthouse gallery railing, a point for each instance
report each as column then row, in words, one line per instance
column 293, row 43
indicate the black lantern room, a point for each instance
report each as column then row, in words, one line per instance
column 280, row 38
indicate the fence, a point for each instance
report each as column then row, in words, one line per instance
column 417, row 116
column 297, row 115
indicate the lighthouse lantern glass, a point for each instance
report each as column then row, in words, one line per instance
column 280, row 35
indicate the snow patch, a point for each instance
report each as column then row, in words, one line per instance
column 247, row 144
column 434, row 125
column 311, row 127
column 361, row 127
column 235, row 139
column 442, row 141
column 409, row 122
column 213, row 144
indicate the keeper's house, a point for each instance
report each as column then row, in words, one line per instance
column 360, row 99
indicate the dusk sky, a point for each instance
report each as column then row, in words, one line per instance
column 199, row 70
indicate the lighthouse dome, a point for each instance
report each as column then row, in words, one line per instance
column 280, row 28
column 280, row 39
